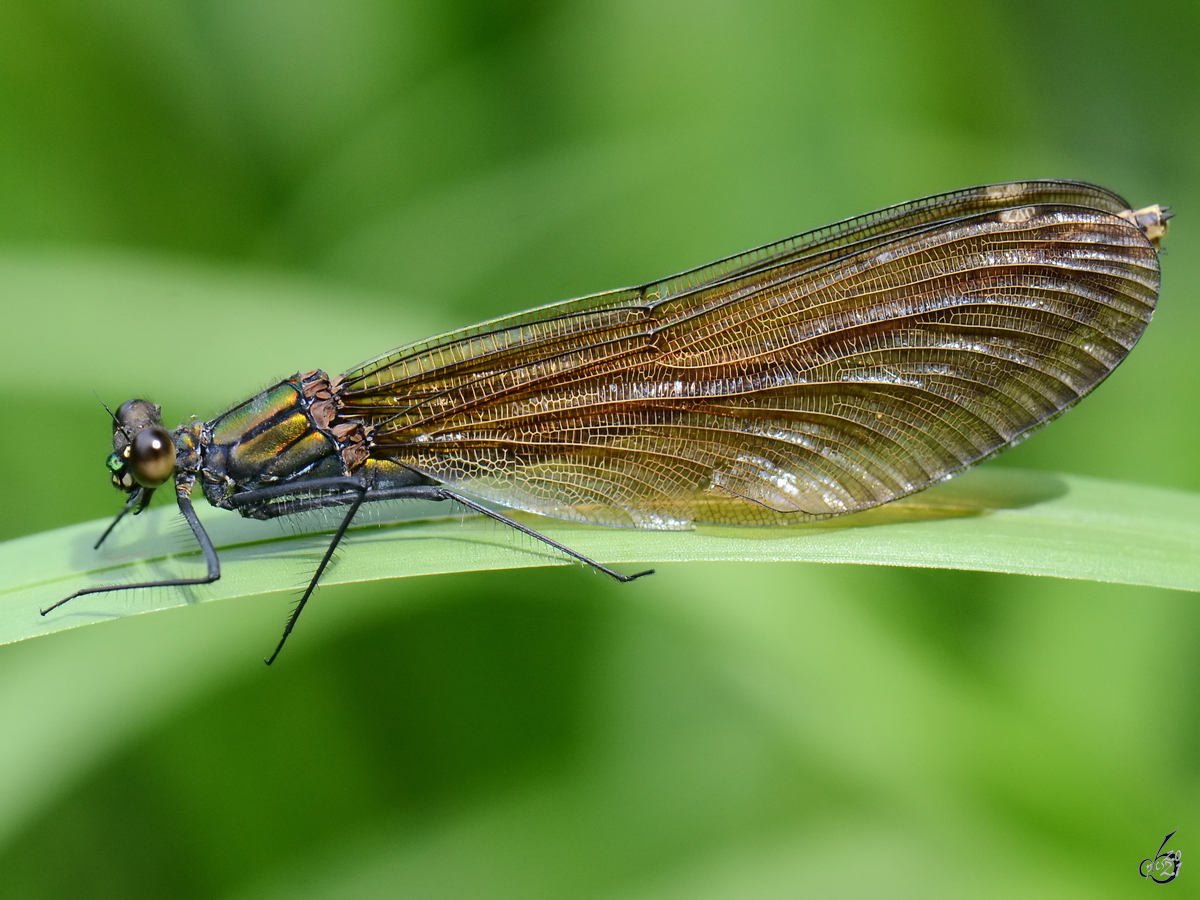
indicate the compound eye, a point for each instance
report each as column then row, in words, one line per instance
column 152, row 457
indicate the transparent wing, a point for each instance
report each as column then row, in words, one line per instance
column 820, row 375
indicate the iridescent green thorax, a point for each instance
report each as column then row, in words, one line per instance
column 291, row 432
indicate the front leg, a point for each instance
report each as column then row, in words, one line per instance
column 206, row 546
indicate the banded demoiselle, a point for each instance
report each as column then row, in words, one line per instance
column 821, row 375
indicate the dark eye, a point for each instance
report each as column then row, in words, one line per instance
column 152, row 457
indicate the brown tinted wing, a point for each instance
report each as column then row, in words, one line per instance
column 817, row 376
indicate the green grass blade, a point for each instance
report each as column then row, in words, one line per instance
column 994, row 519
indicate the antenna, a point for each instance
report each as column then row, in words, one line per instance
column 116, row 421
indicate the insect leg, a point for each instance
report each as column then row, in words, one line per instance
column 337, row 538
column 431, row 492
column 289, row 498
column 255, row 499
column 210, row 557
column 133, row 501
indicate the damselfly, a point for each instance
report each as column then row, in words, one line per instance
column 817, row 376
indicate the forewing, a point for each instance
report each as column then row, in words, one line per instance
column 817, row 376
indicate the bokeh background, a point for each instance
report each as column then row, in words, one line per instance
column 197, row 197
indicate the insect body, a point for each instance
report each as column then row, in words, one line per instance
column 821, row 375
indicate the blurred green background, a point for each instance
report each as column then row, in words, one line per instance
column 198, row 197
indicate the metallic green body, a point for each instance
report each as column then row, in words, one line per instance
column 268, row 440
column 288, row 434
